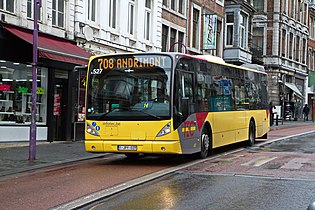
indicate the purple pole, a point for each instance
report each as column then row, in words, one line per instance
column 32, row 145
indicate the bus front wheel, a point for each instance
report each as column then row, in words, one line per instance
column 205, row 143
column 251, row 134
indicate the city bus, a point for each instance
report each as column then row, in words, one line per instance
column 172, row 103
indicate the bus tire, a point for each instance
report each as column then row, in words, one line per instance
column 206, row 142
column 251, row 134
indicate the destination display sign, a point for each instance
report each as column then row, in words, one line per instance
column 143, row 61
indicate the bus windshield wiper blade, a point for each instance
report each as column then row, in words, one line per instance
column 141, row 110
column 106, row 113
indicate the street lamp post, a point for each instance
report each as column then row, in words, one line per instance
column 32, row 143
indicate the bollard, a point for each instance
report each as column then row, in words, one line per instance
column 311, row 206
column 277, row 119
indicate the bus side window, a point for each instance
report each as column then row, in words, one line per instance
column 202, row 92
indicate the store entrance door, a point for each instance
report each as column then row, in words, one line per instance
column 60, row 108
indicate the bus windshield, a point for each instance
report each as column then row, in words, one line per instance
column 129, row 87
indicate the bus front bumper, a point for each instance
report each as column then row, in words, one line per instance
column 154, row 147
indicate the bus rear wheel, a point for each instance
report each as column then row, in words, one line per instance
column 205, row 143
column 251, row 134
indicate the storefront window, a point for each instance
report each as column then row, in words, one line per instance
column 16, row 94
column 81, row 96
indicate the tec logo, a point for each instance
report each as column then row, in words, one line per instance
column 189, row 128
column 97, row 128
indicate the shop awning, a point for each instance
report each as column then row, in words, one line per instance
column 294, row 88
column 52, row 47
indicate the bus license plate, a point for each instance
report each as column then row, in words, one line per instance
column 127, row 148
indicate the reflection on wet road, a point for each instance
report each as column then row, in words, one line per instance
column 280, row 175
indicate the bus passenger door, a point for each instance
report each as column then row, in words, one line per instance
column 184, row 107
column 184, row 96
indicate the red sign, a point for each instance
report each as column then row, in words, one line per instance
column 56, row 104
column 5, row 87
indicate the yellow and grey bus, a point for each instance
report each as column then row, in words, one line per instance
column 172, row 103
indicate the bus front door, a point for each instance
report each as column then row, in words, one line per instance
column 183, row 96
column 184, row 107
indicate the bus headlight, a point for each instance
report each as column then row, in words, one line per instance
column 91, row 130
column 165, row 130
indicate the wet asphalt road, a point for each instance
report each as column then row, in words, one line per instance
column 280, row 175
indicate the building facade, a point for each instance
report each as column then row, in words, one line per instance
column 69, row 33
column 205, row 27
column 58, row 55
column 238, row 31
column 281, row 32
column 310, row 87
column 278, row 34
column 117, row 26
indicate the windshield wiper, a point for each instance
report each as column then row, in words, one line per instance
column 141, row 110
column 106, row 113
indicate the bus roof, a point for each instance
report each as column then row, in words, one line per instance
column 209, row 58
column 219, row 60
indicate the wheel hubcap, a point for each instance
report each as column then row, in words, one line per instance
column 205, row 141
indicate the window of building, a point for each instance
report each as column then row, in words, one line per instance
column 30, row 9
column 92, row 10
column 229, row 28
column 284, row 6
column 312, row 27
column 164, row 38
column 181, row 6
column 170, row 36
column 181, row 41
column 16, row 94
column 173, row 4
column 218, row 38
column 298, row 10
column 147, row 19
column 283, row 44
column 259, row 5
column 131, row 17
column 303, row 51
column 305, row 12
column 310, row 59
column 195, row 27
column 291, row 46
column 297, row 48
column 7, row 5
column 258, row 40
column 58, row 13
column 173, row 39
column 291, row 8
column 243, row 31
column 112, row 13
column 176, row 5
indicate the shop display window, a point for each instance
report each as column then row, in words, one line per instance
column 16, row 94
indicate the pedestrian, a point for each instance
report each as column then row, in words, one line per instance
column 272, row 109
column 306, row 110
